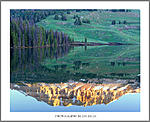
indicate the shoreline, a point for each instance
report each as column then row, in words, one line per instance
column 78, row 44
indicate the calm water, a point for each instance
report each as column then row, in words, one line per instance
column 74, row 64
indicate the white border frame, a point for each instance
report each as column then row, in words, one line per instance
column 49, row 116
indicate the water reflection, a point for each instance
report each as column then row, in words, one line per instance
column 62, row 64
column 75, row 93
column 26, row 62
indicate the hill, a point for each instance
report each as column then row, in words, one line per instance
column 101, row 27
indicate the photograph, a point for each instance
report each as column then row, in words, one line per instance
column 74, row 60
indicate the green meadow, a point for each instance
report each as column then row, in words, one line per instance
column 100, row 28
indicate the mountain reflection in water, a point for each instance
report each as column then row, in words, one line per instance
column 75, row 93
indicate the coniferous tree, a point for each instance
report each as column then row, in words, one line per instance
column 49, row 39
column 23, row 41
column 56, row 17
column 85, row 41
column 19, row 38
column 63, row 17
column 68, row 12
column 16, row 39
column 113, row 22
column 55, row 43
column 124, row 22
column 78, row 21
column 39, row 38
column 86, row 21
column 26, row 34
column 32, row 36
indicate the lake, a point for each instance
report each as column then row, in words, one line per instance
column 75, row 79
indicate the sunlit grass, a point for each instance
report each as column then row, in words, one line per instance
column 100, row 28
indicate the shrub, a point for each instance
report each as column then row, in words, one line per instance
column 63, row 17
column 68, row 12
column 86, row 21
column 56, row 17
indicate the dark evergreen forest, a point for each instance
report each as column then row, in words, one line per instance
column 25, row 33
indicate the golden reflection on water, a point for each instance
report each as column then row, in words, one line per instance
column 75, row 93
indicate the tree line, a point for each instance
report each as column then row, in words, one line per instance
column 118, row 10
column 62, row 17
column 35, row 15
column 25, row 33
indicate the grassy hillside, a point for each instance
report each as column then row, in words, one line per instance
column 100, row 28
